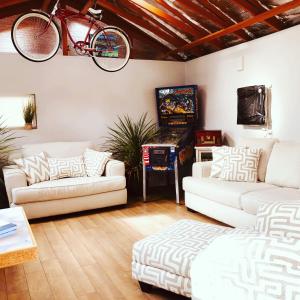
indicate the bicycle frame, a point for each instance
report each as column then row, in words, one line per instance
column 65, row 15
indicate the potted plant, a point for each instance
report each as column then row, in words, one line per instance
column 29, row 114
column 6, row 146
column 125, row 142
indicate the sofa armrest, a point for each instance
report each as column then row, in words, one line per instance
column 13, row 178
column 201, row 169
column 115, row 168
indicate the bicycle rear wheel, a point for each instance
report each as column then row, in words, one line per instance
column 35, row 36
column 112, row 49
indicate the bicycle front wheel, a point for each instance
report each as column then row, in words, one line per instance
column 35, row 36
column 111, row 49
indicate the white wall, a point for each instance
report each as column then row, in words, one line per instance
column 76, row 100
column 272, row 60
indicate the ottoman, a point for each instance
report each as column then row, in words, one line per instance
column 164, row 259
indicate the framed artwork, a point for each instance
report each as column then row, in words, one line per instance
column 251, row 104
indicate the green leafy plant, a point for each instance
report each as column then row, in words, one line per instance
column 29, row 112
column 6, row 146
column 125, row 142
column 6, row 143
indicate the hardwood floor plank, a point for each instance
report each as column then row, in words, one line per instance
column 88, row 256
column 79, row 281
column 38, row 286
column 3, row 295
column 58, row 281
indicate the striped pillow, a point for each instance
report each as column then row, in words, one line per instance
column 241, row 165
column 35, row 167
column 95, row 162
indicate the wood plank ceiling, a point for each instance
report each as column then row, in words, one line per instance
column 179, row 29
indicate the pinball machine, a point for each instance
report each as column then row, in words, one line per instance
column 172, row 150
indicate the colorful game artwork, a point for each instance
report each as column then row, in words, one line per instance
column 177, row 106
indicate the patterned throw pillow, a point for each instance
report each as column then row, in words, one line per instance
column 279, row 219
column 218, row 154
column 35, row 167
column 95, row 162
column 66, row 167
column 241, row 165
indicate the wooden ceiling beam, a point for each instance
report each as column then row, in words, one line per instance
column 277, row 23
column 178, row 24
column 140, row 12
column 246, row 23
column 197, row 29
column 86, row 7
column 228, row 20
column 140, row 22
column 45, row 5
column 18, row 8
column 6, row 3
column 255, row 10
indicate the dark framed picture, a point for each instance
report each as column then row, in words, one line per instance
column 251, row 105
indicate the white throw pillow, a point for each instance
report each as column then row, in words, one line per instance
column 66, row 167
column 35, row 167
column 241, row 165
column 218, row 154
column 95, row 162
column 284, row 165
column 266, row 146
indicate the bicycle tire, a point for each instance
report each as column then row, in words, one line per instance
column 127, row 43
column 42, row 16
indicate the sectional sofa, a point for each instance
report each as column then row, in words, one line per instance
column 236, row 203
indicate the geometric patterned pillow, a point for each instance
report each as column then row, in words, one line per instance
column 95, row 162
column 66, row 167
column 218, row 154
column 35, row 167
column 279, row 219
column 241, row 165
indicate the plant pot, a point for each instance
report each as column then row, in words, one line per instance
column 28, row 126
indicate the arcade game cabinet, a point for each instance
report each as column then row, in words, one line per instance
column 172, row 150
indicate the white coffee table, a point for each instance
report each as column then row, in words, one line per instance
column 21, row 246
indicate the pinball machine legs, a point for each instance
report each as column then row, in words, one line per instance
column 176, row 182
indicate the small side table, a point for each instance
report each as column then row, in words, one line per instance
column 203, row 153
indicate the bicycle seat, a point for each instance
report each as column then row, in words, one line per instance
column 95, row 12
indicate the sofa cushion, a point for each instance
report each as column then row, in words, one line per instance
column 284, row 165
column 67, row 188
column 251, row 201
column 266, row 146
column 173, row 249
column 226, row 192
column 57, row 149
column 279, row 219
column 241, row 165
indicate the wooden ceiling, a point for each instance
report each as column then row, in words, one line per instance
column 180, row 29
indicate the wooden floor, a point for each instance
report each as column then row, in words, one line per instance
column 88, row 256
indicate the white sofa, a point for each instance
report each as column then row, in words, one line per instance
column 64, row 195
column 236, row 203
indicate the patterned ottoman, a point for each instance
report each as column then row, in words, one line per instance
column 164, row 259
